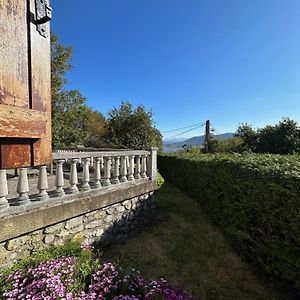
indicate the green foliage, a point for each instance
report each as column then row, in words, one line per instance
column 248, row 136
column 94, row 129
column 60, row 57
column 212, row 145
column 254, row 198
column 229, row 145
column 194, row 150
column 86, row 261
column 185, row 247
column 282, row 138
column 131, row 128
column 160, row 180
column 69, row 116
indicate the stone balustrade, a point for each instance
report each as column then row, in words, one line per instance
column 75, row 174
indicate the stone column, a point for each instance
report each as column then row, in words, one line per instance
column 123, row 169
column 42, row 184
column 131, row 168
column 3, row 191
column 152, row 164
column 116, row 173
column 22, row 188
column 73, row 176
column 59, row 178
column 144, row 166
column 137, row 172
column 97, row 172
column 107, row 171
column 86, row 174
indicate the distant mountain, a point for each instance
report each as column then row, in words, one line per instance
column 199, row 140
column 195, row 141
column 174, row 141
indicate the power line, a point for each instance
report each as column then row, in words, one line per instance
column 171, row 137
column 183, row 127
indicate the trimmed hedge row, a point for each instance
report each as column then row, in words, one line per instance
column 254, row 198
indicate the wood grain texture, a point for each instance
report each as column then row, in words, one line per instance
column 14, row 53
column 24, row 83
column 15, row 153
column 41, row 88
column 16, row 122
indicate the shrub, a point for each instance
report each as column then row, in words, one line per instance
column 79, row 277
column 254, row 198
column 160, row 180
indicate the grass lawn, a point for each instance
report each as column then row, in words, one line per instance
column 186, row 249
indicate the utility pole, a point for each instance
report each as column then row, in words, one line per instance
column 207, row 136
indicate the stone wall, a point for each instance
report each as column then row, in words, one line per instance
column 105, row 225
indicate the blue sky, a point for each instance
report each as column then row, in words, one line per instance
column 230, row 61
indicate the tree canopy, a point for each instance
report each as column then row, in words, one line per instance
column 281, row 138
column 248, row 136
column 94, row 129
column 131, row 128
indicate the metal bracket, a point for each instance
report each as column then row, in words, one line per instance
column 43, row 15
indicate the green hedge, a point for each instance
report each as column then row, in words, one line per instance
column 254, row 198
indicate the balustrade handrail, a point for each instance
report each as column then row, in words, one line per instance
column 109, row 168
column 67, row 154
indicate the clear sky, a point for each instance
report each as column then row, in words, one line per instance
column 230, row 61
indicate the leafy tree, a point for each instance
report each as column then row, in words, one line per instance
column 282, row 138
column 131, row 128
column 60, row 64
column 248, row 135
column 94, row 129
column 213, row 145
column 229, row 145
column 68, row 121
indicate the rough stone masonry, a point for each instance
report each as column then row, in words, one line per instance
column 112, row 221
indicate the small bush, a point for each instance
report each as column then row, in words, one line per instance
column 160, row 180
column 79, row 276
column 254, row 198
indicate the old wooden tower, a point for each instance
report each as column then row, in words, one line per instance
column 25, row 91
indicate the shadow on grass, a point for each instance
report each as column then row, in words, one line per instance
column 183, row 246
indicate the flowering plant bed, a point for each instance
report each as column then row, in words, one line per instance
column 81, row 277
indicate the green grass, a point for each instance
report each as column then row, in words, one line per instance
column 186, row 249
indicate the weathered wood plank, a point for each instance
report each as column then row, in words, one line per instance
column 24, row 83
column 15, row 153
column 41, row 88
column 14, row 84
column 16, row 122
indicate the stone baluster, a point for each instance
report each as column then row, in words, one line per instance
column 127, row 165
column 97, row 172
column 3, row 191
column 116, row 172
column 73, row 176
column 102, row 163
column 86, row 174
column 137, row 172
column 42, row 184
column 131, row 168
column 59, row 178
column 144, row 166
column 22, row 188
column 107, row 171
column 123, row 169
